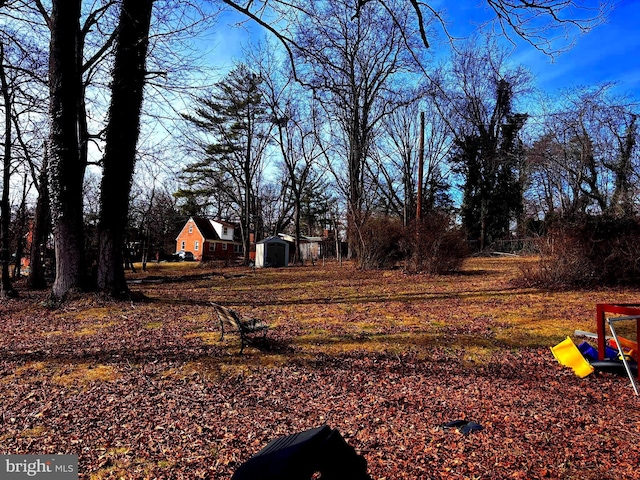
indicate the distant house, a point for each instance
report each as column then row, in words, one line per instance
column 209, row 239
column 310, row 247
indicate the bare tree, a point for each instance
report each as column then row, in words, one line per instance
column 551, row 26
column 153, row 221
column 25, row 62
column 40, row 232
column 295, row 115
column 623, row 167
column 89, row 37
column 587, row 158
column 66, row 169
column 399, row 152
column 353, row 64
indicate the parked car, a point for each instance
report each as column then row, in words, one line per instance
column 183, row 256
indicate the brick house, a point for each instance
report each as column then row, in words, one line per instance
column 209, row 239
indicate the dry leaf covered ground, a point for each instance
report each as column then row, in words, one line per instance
column 144, row 389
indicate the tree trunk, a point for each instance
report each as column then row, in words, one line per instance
column 246, row 231
column 246, row 170
column 39, row 234
column 21, row 230
column 65, row 168
column 121, row 140
column 6, row 289
column 297, row 257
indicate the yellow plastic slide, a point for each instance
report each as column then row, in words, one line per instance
column 568, row 355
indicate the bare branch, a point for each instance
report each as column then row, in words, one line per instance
column 282, row 38
column 545, row 22
column 43, row 12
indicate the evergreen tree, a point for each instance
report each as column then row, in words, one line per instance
column 236, row 128
column 490, row 160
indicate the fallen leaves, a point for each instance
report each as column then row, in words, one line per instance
column 146, row 390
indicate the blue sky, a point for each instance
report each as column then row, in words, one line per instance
column 609, row 53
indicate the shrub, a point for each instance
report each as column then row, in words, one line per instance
column 431, row 246
column 434, row 245
column 379, row 240
column 592, row 251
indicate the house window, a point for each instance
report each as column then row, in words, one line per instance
column 196, row 245
column 190, row 228
column 224, row 231
column 224, row 246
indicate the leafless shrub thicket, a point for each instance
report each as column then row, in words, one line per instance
column 431, row 246
column 594, row 251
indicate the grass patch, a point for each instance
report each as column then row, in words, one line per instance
column 33, row 432
column 208, row 338
column 365, row 342
column 89, row 329
column 83, row 374
column 31, row 367
column 115, row 463
column 94, row 313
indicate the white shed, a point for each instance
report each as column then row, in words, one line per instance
column 272, row 252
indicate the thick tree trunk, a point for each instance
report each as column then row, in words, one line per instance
column 296, row 215
column 65, row 168
column 121, row 140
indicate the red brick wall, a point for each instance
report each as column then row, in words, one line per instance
column 189, row 240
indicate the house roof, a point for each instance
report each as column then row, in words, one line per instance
column 287, row 238
column 206, row 229
column 225, row 224
column 303, row 238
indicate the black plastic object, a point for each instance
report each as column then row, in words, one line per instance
column 298, row 456
column 464, row 426
column 614, row 366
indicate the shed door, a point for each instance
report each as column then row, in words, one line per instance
column 275, row 254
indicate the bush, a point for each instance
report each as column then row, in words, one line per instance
column 594, row 251
column 434, row 245
column 379, row 240
column 431, row 246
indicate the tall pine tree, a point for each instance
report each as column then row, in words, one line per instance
column 236, row 130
